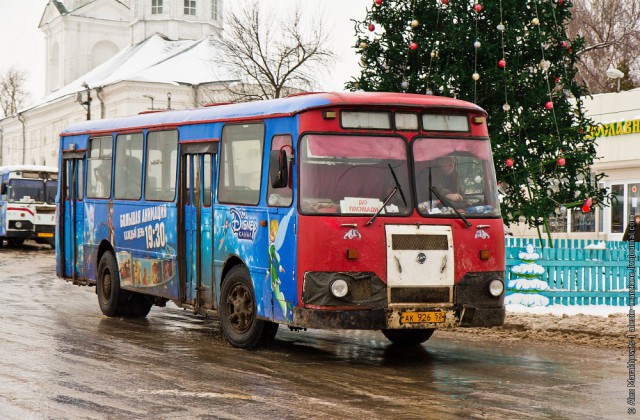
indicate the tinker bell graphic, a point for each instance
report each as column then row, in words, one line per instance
column 224, row 233
column 277, row 234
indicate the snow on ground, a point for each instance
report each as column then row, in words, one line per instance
column 559, row 310
column 604, row 327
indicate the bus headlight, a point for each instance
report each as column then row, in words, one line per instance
column 18, row 225
column 496, row 287
column 339, row 288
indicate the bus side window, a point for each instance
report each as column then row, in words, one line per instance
column 281, row 197
column 128, row 177
column 80, row 179
column 99, row 167
column 161, row 165
column 241, row 164
column 206, row 173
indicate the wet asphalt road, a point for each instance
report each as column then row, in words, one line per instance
column 60, row 358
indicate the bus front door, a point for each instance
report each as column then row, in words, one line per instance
column 196, row 195
column 71, row 214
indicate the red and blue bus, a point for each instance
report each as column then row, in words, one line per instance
column 323, row 210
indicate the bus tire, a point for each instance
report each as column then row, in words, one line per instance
column 240, row 326
column 15, row 242
column 111, row 298
column 139, row 305
column 408, row 337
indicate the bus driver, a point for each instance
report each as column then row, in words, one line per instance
column 445, row 179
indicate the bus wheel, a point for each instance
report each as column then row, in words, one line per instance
column 138, row 305
column 408, row 337
column 237, row 312
column 110, row 297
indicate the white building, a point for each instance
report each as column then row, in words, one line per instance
column 109, row 58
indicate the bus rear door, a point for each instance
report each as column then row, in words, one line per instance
column 71, row 215
column 196, row 231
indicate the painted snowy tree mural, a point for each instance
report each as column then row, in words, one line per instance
column 512, row 58
column 526, row 282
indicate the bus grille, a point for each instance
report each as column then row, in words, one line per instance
column 419, row 242
column 420, row 294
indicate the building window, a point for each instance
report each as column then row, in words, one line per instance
column 190, row 7
column 617, row 208
column 558, row 224
column 214, row 9
column 583, row 222
column 156, row 7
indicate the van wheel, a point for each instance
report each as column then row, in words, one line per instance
column 408, row 337
column 237, row 312
column 110, row 297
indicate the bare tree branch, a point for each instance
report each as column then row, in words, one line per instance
column 611, row 31
column 12, row 91
column 272, row 55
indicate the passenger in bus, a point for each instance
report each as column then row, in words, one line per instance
column 445, row 178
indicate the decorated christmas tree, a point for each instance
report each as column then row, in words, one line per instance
column 512, row 58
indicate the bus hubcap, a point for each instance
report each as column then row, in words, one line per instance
column 106, row 286
column 240, row 308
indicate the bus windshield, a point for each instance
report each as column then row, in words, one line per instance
column 51, row 188
column 354, row 175
column 455, row 174
column 26, row 190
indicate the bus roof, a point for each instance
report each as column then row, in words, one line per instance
column 274, row 108
column 27, row 168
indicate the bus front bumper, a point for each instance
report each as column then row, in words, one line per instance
column 398, row 318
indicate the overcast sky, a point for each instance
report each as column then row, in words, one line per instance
column 22, row 43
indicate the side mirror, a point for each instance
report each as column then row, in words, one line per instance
column 278, row 169
column 3, row 189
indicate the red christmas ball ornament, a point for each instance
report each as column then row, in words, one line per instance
column 562, row 161
column 509, row 162
column 563, row 44
column 560, row 2
column 549, row 105
column 477, row 7
column 557, row 79
column 413, row 46
column 502, row 63
column 445, row 1
column 372, row 27
column 378, row 2
column 588, row 202
column 586, row 209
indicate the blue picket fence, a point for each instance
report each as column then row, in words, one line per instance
column 576, row 274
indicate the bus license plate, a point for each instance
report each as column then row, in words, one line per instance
column 421, row 317
column 45, row 235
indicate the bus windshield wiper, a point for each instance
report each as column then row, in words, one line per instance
column 395, row 178
column 384, row 203
column 446, row 201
